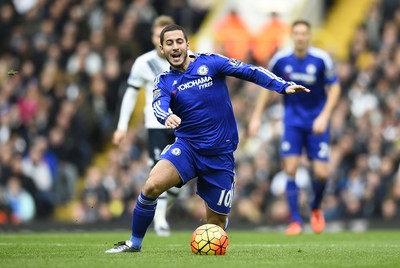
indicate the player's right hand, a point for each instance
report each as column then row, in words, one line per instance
column 173, row 121
column 254, row 126
column 119, row 136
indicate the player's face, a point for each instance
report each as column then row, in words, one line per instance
column 301, row 37
column 175, row 49
column 156, row 38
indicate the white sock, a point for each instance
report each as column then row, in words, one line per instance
column 226, row 224
column 172, row 194
column 161, row 209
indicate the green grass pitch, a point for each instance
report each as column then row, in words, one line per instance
column 246, row 249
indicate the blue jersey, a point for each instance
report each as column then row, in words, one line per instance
column 200, row 97
column 314, row 71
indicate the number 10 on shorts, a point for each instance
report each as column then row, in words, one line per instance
column 225, row 198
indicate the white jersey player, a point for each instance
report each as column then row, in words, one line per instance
column 144, row 70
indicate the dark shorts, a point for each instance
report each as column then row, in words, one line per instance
column 215, row 174
column 295, row 139
column 158, row 139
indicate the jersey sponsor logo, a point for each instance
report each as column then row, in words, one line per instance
column 202, row 70
column 306, row 78
column 201, row 83
column 235, row 62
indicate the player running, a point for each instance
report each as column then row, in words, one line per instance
column 143, row 71
column 306, row 119
column 193, row 99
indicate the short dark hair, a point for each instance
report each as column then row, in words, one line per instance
column 162, row 21
column 304, row 22
column 172, row 27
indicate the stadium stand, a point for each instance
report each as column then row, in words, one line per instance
column 73, row 58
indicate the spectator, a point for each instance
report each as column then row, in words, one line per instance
column 35, row 166
column 21, row 202
column 269, row 39
column 233, row 38
column 94, row 198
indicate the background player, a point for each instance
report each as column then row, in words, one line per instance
column 143, row 72
column 193, row 98
column 306, row 119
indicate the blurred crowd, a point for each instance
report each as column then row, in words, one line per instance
column 365, row 153
column 73, row 59
column 63, row 70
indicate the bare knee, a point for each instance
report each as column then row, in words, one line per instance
column 320, row 170
column 290, row 170
column 320, row 175
column 162, row 177
column 151, row 189
column 290, row 165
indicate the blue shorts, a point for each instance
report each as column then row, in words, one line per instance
column 295, row 139
column 214, row 173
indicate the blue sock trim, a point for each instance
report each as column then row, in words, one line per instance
column 146, row 203
column 136, row 242
column 142, row 217
column 146, row 199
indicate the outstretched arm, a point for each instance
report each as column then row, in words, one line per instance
column 256, row 74
column 296, row 89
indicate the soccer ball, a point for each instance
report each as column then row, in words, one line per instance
column 209, row 239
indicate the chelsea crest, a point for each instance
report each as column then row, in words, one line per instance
column 202, row 70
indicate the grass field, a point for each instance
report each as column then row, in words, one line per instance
column 246, row 249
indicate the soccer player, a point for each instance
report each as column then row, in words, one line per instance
column 306, row 119
column 144, row 70
column 193, row 99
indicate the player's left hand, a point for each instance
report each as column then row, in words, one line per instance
column 254, row 126
column 320, row 124
column 296, row 89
